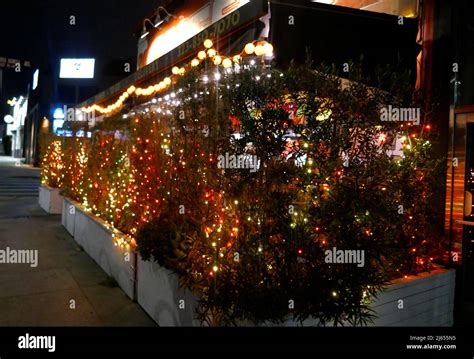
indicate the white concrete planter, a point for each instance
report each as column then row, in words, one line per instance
column 50, row 199
column 423, row 300
column 68, row 218
column 160, row 296
column 91, row 233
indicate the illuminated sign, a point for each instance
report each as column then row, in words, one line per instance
column 247, row 16
column 9, row 119
column 57, row 124
column 58, row 114
column 186, row 28
column 77, row 68
column 35, row 79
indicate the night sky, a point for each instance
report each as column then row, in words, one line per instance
column 40, row 32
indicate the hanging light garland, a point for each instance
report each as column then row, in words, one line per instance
column 257, row 48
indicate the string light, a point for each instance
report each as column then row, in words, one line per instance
column 249, row 49
column 262, row 48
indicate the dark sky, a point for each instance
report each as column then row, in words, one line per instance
column 41, row 32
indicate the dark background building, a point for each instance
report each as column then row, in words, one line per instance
column 44, row 31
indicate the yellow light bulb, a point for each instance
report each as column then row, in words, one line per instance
column 208, row 44
column 249, row 49
column 259, row 50
column 202, row 55
column 237, row 59
column 182, row 70
column 175, row 70
column 227, row 63
column 217, row 60
column 211, row 52
column 167, row 81
column 268, row 48
column 195, row 63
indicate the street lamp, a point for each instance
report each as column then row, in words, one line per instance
column 159, row 20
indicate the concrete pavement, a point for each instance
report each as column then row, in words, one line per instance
column 67, row 288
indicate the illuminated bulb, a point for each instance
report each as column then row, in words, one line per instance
column 237, row 59
column 131, row 90
column 202, row 55
column 182, row 70
column 167, row 81
column 217, row 60
column 259, row 50
column 268, row 48
column 227, row 63
column 175, row 70
column 211, row 53
column 139, row 91
column 195, row 63
column 249, row 49
column 215, row 269
column 208, row 44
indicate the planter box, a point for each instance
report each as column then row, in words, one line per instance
column 92, row 234
column 426, row 300
column 422, row 301
column 50, row 199
column 68, row 218
column 160, row 296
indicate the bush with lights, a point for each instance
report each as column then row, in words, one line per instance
column 240, row 177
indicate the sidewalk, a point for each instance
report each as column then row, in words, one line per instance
column 67, row 288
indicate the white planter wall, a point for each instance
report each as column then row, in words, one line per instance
column 160, row 296
column 50, row 200
column 424, row 300
column 68, row 217
column 427, row 300
column 92, row 235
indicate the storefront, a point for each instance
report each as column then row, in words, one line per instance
column 171, row 39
